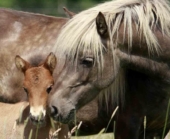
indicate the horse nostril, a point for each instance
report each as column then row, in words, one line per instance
column 36, row 119
column 54, row 111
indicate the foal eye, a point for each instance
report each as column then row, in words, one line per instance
column 49, row 89
column 88, row 61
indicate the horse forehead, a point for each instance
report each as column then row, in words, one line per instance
column 37, row 75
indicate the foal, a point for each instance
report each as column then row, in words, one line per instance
column 38, row 83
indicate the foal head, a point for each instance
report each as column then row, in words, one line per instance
column 37, row 83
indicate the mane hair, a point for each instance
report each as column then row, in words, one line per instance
column 80, row 34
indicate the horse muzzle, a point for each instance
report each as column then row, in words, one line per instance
column 38, row 120
column 37, row 115
column 63, row 118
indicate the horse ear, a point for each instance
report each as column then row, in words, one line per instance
column 68, row 13
column 50, row 62
column 102, row 28
column 21, row 64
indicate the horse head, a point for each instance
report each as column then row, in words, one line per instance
column 38, row 83
column 84, row 74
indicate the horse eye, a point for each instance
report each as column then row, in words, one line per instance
column 49, row 89
column 25, row 89
column 88, row 61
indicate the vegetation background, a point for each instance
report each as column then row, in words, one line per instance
column 49, row 7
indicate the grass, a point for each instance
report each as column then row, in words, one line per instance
column 102, row 134
column 166, row 119
column 114, row 112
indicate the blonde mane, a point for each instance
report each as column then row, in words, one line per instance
column 80, row 34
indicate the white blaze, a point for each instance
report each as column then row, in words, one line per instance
column 37, row 111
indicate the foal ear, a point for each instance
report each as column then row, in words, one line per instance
column 68, row 13
column 50, row 62
column 21, row 64
column 102, row 28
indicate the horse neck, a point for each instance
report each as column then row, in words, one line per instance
column 138, row 57
column 139, row 46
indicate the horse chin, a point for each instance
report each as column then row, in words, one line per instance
column 65, row 119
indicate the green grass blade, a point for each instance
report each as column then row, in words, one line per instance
column 166, row 119
column 114, row 112
column 30, row 135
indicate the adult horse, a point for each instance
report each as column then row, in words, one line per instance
column 121, row 48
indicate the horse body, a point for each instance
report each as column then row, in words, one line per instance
column 123, row 52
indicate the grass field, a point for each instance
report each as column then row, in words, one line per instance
column 99, row 136
column 17, row 130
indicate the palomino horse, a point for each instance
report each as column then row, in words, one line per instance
column 122, row 49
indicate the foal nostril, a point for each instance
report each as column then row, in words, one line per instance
column 37, row 119
column 32, row 117
column 54, row 111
